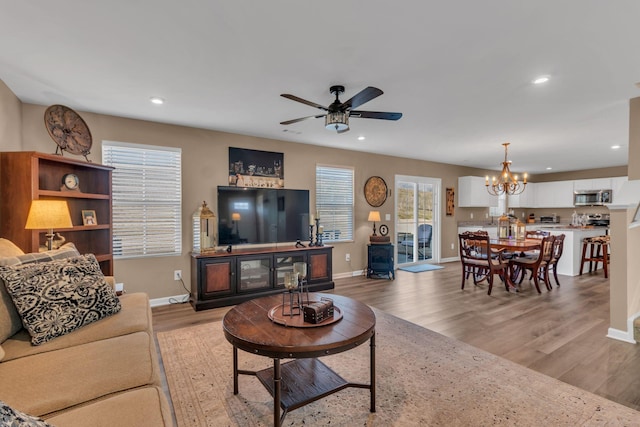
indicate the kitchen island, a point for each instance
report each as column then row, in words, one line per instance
column 569, row 264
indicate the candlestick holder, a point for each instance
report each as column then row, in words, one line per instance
column 310, row 235
column 318, row 234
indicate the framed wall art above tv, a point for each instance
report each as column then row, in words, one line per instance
column 255, row 168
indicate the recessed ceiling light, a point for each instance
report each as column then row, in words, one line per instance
column 361, row 138
column 156, row 100
column 540, row 80
column 615, row 147
column 549, row 168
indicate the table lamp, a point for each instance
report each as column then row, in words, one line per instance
column 374, row 216
column 48, row 214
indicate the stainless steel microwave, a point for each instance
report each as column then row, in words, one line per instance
column 592, row 197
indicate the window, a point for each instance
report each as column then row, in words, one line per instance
column 147, row 199
column 334, row 202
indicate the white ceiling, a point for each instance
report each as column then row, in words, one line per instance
column 460, row 71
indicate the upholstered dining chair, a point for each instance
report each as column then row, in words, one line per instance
column 479, row 260
column 536, row 265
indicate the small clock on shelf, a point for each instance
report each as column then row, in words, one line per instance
column 70, row 182
column 384, row 230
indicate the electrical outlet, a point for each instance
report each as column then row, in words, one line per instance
column 347, row 257
column 471, row 215
column 486, row 215
column 452, row 246
column 177, row 274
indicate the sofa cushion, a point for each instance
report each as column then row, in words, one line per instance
column 12, row 417
column 143, row 407
column 9, row 249
column 135, row 316
column 49, row 382
column 10, row 322
column 57, row 297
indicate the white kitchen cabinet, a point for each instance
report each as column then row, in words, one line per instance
column 525, row 199
column 592, row 184
column 555, row 194
column 472, row 192
column 616, row 185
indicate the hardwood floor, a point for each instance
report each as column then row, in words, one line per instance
column 561, row 333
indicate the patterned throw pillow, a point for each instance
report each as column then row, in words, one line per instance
column 14, row 418
column 56, row 297
column 65, row 251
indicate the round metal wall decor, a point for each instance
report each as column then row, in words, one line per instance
column 375, row 191
column 68, row 130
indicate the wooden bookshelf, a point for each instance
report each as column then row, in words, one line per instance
column 29, row 175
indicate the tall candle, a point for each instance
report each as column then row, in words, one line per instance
column 311, row 220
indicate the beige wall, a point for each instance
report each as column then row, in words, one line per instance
column 10, row 120
column 205, row 158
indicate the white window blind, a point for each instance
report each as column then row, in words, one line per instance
column 334, row 202
column 147, row 199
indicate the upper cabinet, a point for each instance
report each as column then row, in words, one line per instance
column 526, row 199
column 472, row 192
column 555, row 194
column 592, row 184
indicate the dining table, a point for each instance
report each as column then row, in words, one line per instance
column 514, row 245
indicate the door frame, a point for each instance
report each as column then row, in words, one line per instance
column 436, row 225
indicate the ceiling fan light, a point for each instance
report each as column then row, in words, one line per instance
column 338, row 121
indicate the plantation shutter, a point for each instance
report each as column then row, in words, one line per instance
column 147, row 199
column 334, row 202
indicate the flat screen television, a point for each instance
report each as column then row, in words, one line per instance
column 262, row 215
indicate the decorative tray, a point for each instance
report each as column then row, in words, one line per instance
column 275, row 314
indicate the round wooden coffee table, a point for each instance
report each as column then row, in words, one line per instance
column 304, row 379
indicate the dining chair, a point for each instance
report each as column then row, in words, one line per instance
column 534, row 234
column 556, row 253
column 479, row 260
column 535, row 265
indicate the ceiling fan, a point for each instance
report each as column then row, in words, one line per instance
column 338, row 113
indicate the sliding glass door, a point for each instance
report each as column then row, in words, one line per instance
column 417, row 219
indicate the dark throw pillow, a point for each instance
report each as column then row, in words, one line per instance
column 56, row 297
column 14, row 418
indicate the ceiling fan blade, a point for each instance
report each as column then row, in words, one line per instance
column 365, row 95
column 375, row 115
column 304, row 101
column 289, row 122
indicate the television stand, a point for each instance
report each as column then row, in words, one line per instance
column 223, row 278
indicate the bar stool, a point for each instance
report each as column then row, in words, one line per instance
column 598, row 251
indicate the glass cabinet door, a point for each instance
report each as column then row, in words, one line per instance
column 254, row 273
column 285, row 263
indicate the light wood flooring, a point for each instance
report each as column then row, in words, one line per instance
column 561, row 333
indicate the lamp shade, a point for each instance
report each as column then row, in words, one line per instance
column 235, row 216
column 374, row 216
column 48, row 214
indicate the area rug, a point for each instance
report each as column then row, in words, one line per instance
column 418, row 268
column 423, row 379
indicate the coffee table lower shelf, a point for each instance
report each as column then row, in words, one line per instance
column 302, row 382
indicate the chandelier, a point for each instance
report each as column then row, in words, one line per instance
column 506, row 183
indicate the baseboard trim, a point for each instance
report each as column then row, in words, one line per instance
column 625, row 336
column 452, row 259
column 157, row 302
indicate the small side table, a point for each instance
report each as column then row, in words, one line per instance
column 380, row 261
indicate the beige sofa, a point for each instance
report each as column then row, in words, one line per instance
column 105, row 373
